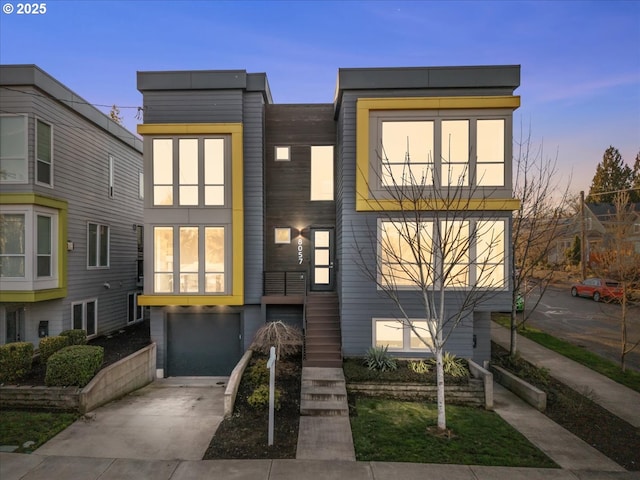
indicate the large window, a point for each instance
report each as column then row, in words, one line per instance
column 28, row 245
column 13, row 148
column 192, row 255
column 189, row 171
column 428, row 149
column 135, row 312
column 400, row 337
column 456, row 254
column 84, row 316
column 97, row 245
column 322, row 173
column 44, row 153
column 112, row 167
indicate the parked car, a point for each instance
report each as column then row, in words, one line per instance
column 597, row 288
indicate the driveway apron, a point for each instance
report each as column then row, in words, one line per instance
column 169, row 419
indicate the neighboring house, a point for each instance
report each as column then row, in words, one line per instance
column 70, row 212
column 253, row 209
column 601, row 224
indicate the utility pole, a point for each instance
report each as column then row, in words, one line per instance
column 583, row 246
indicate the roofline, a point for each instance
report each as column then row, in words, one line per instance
column 32, row 75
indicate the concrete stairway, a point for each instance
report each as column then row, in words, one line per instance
column 323, row 392
column 325, row 430
column 322, row 334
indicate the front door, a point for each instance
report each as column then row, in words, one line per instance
column 322, row 255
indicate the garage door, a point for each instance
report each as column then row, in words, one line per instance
column 202, row 344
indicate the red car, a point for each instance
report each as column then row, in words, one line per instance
column 597, row 288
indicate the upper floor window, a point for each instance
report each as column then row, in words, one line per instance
column 189, row 171
column 322, row 173
column 97, row 245
column 450, row 253
column 44, row 153
column 282, row 154
column 438, row 149
column 28, row 246
column 13, row 148
column 189, row 259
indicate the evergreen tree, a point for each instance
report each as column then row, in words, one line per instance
column 635, row 182
column 574, row 252
column 611, row 175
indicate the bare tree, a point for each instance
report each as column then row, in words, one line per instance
column 433, row 249
column 536, row 224
column 617, row 258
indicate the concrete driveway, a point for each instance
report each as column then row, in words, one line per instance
column 169, row 419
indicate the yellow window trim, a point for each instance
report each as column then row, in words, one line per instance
column 480, row 204
column 62, row 206
column 189, row 300
column 237, row 211
column 363, row 108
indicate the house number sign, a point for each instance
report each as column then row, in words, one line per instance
column 300, row 256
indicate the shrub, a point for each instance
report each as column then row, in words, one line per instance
column 286, row 338
column 452, row 365
column 258, row 373
column 76, row 336
column 419, row 367
column 74, row 365
column 15, row 360
column 50, row 345
column 260, row 397
column 378, row 358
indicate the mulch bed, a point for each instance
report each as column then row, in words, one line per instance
column 245, row 434
column 577, row 413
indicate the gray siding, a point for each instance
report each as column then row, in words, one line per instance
column 193, row 106
column 80, row 177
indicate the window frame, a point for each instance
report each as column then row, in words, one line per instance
column 38, row 160
column 31, row 280
column 317, row 193
column 25, row 145
column 138, row 310
column 111, row 175
column 284, row 148
column 201, row 185
column 282, row 239
column 472, row 269
column 407, row 333
column 99, row 245
column 85, row 319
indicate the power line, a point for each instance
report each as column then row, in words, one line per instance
column 35, row 94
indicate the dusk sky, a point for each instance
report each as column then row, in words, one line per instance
column 580, row 79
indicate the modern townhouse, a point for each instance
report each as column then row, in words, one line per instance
column 70, row 212
column 257, row 211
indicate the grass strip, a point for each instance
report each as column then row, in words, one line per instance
column 396, row 431
column 20, row 426
column 629, row 378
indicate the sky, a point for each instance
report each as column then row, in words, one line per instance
column 580, row 61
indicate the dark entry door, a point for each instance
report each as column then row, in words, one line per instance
column 322, row 256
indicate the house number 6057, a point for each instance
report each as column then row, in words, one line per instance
column 300, row 257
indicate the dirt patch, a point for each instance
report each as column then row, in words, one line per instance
column 245, row 434
column 576, row 412
column 117, row 345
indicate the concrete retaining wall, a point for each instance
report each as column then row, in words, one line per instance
column 234, row 382
column 530, row 394
column 114, row 381
column 487, row 379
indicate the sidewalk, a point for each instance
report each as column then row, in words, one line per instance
column 16, row 466
column 618, row 399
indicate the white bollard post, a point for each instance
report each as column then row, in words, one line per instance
column 271, row 365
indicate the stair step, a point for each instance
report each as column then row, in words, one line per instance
column 322, row 363
column 326, row 408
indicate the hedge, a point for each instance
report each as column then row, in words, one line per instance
column 50, row 345
column 74, row 365
column 76, row 336
column 15, row 360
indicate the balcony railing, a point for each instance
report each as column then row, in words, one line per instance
column 285, row 283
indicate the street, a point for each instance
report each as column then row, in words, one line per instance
column 581, row 321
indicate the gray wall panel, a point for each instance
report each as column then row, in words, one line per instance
column 193, row 106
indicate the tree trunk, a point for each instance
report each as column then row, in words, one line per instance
column 513, row 344
column 442, row 418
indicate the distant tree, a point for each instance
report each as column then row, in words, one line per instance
column 573, row 253
column 611, row 175
column 114, row 115
column 635, row 182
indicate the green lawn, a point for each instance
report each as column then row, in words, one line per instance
column 629, row 378
column 396, row 431
column 20, row 426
